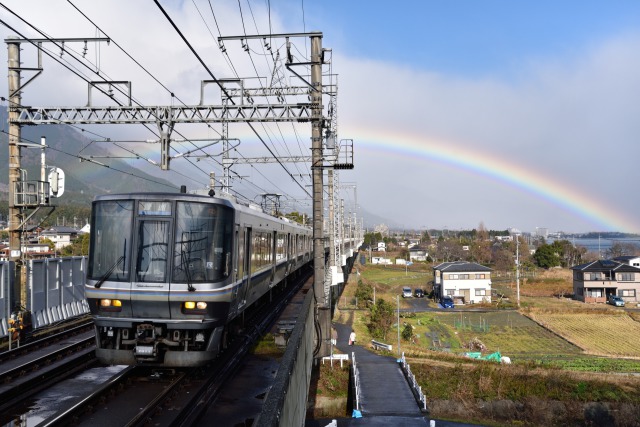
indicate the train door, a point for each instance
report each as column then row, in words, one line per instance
column 150, row 287
column 244, row 262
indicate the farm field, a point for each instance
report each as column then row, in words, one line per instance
column 607, row 333
column 548, row 330
column 508, row 332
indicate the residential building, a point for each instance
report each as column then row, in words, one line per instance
column 596, row 281
column 417, row 253
column 632, row 260
column 465, row 282
column 60, row 236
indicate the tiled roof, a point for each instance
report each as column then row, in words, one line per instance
column 461, row 266
column 605, row 265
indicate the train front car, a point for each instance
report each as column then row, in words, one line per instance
column 160, row 277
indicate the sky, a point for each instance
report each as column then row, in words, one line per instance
column 510, row 114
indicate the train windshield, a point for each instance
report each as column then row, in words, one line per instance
column 111, row 223
column 203, row 241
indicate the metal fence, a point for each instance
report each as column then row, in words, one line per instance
column 55, row 290
column 6, row 285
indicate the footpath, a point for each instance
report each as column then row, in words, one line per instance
column 386, row 398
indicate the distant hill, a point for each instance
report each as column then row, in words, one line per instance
column 83, row 180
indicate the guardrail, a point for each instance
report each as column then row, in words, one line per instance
column 340, row 357
column 357, row 413
column 380, row 345
column 415, row 388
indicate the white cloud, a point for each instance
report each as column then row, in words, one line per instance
column 574, row 119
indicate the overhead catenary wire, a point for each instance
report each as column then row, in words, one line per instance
column 225, row 91
column 260, row 82
column 224, row 52
column 85, row 159
column 77, row 72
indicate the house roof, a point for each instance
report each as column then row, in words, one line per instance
column 60, row 230
column 624, row 258
column 461, row 266
column 605, row 265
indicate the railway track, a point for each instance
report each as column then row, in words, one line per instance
column 45, row 339
column 135, row 396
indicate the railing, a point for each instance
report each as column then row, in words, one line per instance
column 415, row 388
column 357, row 413
column 380, row 345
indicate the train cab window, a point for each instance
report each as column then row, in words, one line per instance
column 111, row 225
column 152, row 254
column 203, row 242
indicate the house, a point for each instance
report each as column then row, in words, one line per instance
column 629, row 260
column 465, row 282
column 31, row 250
column 596, row 281
column 418, row 254
column 60, row 236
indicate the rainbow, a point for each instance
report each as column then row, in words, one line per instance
column 489, row 165
column 507, row 172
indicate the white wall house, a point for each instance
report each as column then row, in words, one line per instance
column 466, row 282
column 60, row 236
column 418, row 254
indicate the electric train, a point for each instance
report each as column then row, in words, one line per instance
column 171, row 274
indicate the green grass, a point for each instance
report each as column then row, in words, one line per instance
column 489, row 381
column 589, row 363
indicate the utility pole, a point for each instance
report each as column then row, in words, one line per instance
column 518, row 270
column 323, row 306
column 24, row 195
column 15, row 100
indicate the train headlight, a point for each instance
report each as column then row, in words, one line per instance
column 193, row 307
column 110, row 304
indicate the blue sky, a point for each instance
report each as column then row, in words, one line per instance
column 431, row 92
column 468, row 38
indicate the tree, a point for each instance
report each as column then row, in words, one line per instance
column 364, row 294
column 621, row 249
column 503, row 259
column 407, row 332
column 295, row 216
column 448, row 250
column 546, row 256
column 78, row 247
column 382, row 317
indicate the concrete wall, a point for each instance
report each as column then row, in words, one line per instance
column 286, row 402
